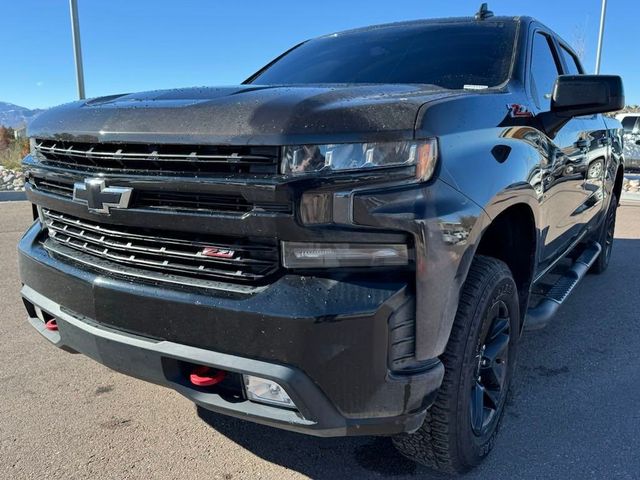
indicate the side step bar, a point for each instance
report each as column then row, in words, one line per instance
column 540, row 315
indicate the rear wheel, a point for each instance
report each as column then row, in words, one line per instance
column 461, row 426
column 595, row 169
column 605, row 237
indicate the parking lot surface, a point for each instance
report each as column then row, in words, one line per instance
column 574, row 413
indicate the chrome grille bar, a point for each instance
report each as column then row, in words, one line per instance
column 140, row 158
column 154, row 156
column 249, row 262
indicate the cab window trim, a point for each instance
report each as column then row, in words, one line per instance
column 565, row 68
column 551, row 42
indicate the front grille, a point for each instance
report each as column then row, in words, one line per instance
column 145, row 159
column 239, row 260
column 168, row 200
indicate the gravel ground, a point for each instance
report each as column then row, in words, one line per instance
column 11, row 180
column 574, row 414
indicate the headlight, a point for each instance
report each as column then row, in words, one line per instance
column 304, row 159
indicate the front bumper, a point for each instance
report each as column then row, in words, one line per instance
column 325, row 341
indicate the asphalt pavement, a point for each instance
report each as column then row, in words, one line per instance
column 574, row 412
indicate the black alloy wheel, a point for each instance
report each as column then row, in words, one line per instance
column 610, row 229
column 489, row 390
column 605, row 237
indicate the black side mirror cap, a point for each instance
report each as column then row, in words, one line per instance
column 577, row 95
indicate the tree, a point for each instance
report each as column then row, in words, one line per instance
column 5, row 137
column 23, row 144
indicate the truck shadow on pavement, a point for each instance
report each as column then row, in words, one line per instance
column 321, row 458
column 571, row 414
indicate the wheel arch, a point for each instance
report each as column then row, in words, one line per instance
column 512, row 237
column 513, row 211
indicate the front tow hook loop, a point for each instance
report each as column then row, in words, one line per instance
column 51, row 325
column 206, row 376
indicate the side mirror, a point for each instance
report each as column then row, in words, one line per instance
column 576, row 95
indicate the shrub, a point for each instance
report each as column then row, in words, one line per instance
column 12, row 151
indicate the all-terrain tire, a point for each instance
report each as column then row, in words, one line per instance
column 447, row 441
column 605, row 237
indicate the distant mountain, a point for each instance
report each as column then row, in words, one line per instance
column 15, row 116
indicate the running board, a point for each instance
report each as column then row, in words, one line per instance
column 540, row 315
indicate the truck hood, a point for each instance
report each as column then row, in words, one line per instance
column 246, row 114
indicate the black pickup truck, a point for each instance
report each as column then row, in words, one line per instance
column 351, row 242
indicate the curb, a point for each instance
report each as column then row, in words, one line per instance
column 630, row 197
column 12, row 196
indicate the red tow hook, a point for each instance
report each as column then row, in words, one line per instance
column 51, row 325
column 206, row 376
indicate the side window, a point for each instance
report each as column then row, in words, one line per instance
column 573, row 65
column 544, row 71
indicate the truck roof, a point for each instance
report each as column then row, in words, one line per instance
column 431, row 21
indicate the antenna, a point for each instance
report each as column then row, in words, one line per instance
column 484, row 12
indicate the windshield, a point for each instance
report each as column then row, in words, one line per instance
column 450, row 55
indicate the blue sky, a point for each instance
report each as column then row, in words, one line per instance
column 138, row 45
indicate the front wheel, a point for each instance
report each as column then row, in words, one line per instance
column 462, row 424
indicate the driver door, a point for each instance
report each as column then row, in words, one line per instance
column 561, row 192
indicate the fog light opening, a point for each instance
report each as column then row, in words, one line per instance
column 262, row 390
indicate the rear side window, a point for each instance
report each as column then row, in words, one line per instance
column 544, row 71
column 573, row 65
column 628, row 123
column 449, row 55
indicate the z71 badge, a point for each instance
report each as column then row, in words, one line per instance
column 518, row 111
column 218, row 252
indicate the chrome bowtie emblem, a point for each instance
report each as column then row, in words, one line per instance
column 98, row 197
